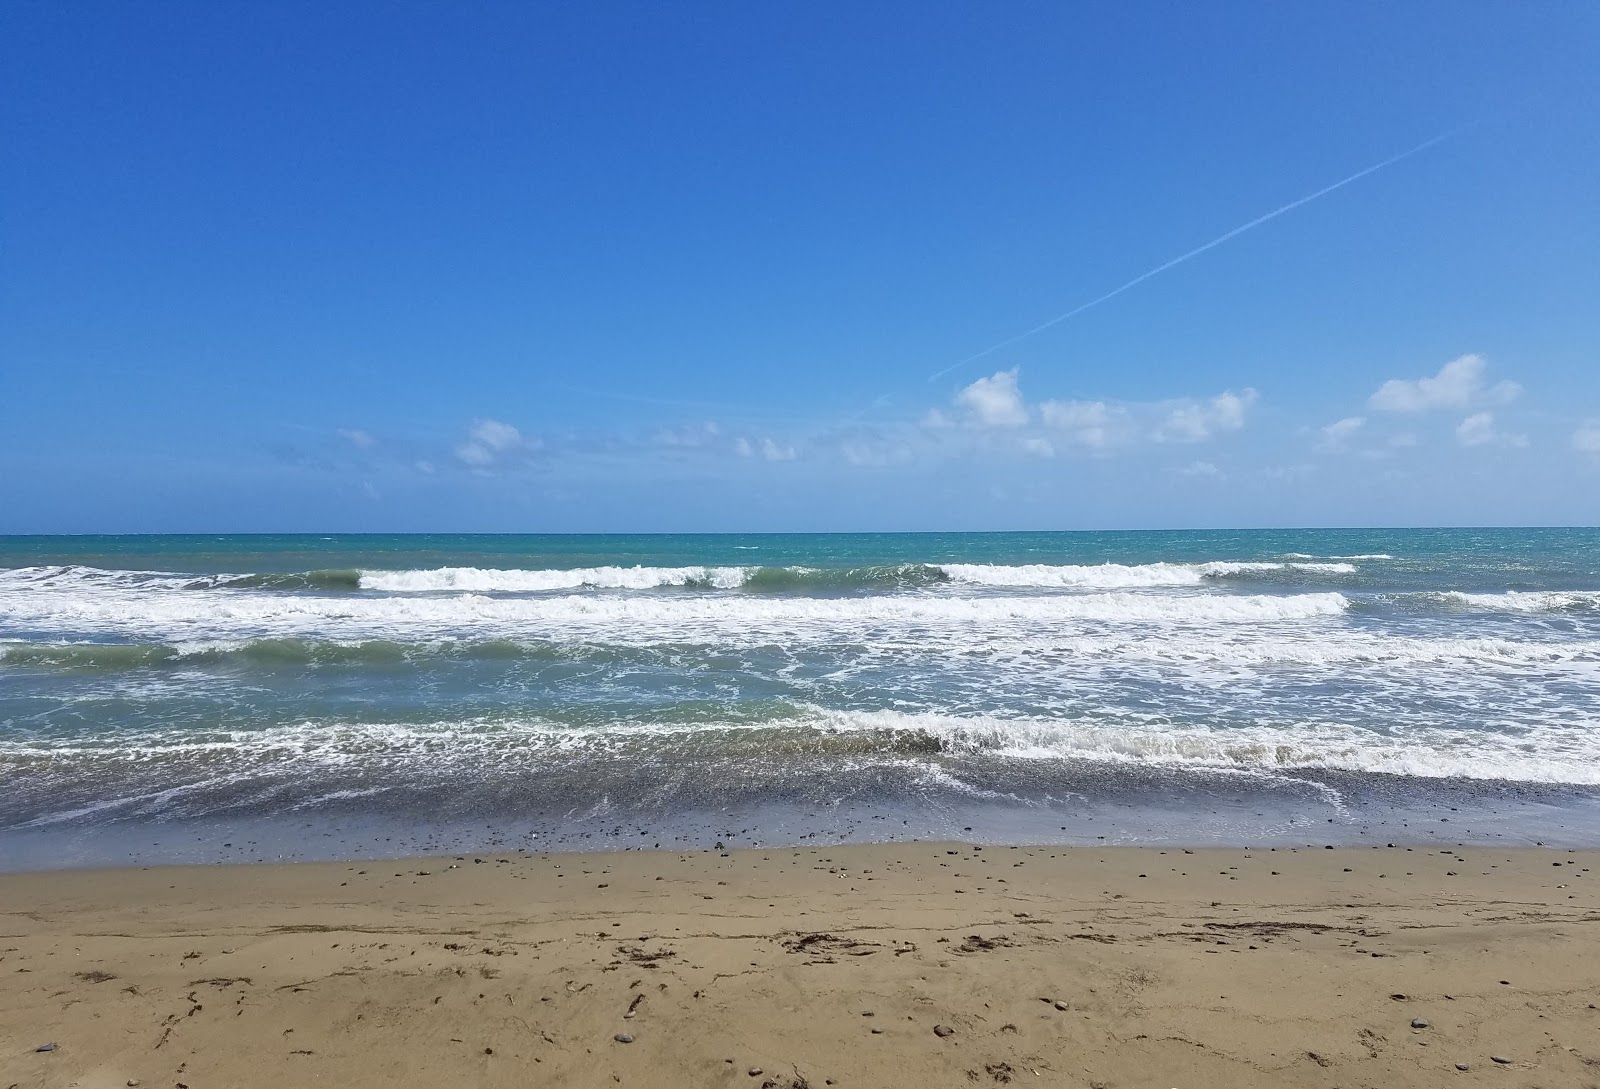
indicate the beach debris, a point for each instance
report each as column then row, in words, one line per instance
column 820, row 946
column 45, row 1047
column 633, row 1006
column 977, row 943
column 942, row 1031
column 1062, row 1006
column 1000, row 1072
column 1501, row 1059
column 623, row 1038
column 1418, row 1022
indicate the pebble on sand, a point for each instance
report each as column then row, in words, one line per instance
column 1062, row 1006
column 943, row 1030
column 1418, row 1022
column 623, row 1038
column 45, row 1047
column 1502, row 1060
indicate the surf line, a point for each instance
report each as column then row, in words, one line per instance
column 1213, row 244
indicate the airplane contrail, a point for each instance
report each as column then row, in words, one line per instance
column 1198, row 250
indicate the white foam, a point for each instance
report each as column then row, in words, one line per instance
column 1530, row 601
column 1106, row 576
column 1358, row 556
column 185, row 617
column 1116, row 575
column 1566, row 752
column 490, row 580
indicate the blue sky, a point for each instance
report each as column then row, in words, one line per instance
column 691, row 266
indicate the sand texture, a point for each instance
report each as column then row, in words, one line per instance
column 888, row 965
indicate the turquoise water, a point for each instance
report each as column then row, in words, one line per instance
column 1216, row 684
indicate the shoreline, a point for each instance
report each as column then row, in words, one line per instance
column 1170, row 812
column 1071, row 966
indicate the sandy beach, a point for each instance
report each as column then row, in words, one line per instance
column 911, row 964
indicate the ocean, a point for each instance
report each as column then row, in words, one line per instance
column 221, row 698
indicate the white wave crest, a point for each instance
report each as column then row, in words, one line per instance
column 1564, row 752
column 483, row 580
column 1128, row 576
column 1560, row 754
column 1530, row 601
column 491, row 580
column 184, row 617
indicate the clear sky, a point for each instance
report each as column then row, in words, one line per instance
column 691, row 266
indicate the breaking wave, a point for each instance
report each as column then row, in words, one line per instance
column 1568, row 754
column 797, row 580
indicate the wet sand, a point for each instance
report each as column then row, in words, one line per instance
column 909, row 964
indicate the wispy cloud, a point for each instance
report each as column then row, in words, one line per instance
column 490, row 442
column 1479, row 430
column 1333, row 436
column 357, row 437
column 693, row 435
column 768, row 448
column 1196, row 421
column 1586, row 440
column 1092, row 424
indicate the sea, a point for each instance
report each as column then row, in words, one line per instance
column 241, row 698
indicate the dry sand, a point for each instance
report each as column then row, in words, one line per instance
column 839, row 966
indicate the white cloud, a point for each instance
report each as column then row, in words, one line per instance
column 935, row 420
column 870, row 450
column 995, row 401
column 773, row 452
column 1458, row 384
column 1199, row 469
column 490, row 440
column 1334, row 434
column 424, row 466
column 474, row 455
column 766, row 448
column 1094, row 424
column 357, row 437
column 1586, row 440
column 1196, row 421
column 1479, row 430
column 1038, row 447
column 695, row 435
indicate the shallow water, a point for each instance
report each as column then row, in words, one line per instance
column 158, row 691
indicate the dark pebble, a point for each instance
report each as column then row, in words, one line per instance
column 45, row 1047
column 1462, row 1066
column 1417, row 1022
column 943, row 1030
column 623, row 1038
column 1502, row 1060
